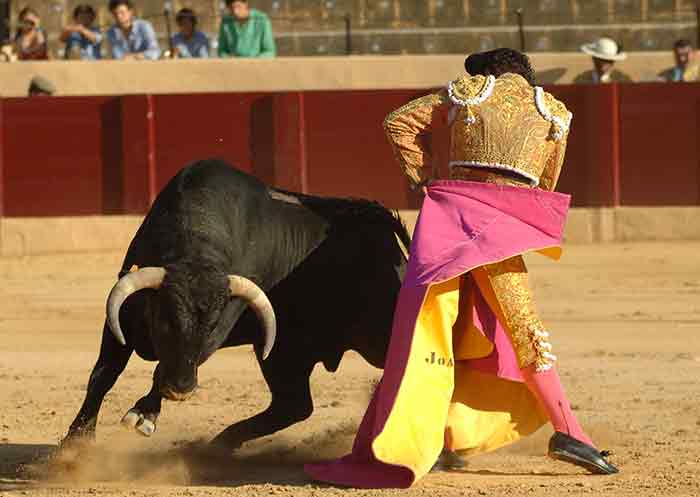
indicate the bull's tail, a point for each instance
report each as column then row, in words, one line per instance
column 401, row 231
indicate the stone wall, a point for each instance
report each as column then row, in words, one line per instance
column 365, row 72
column 317, row 27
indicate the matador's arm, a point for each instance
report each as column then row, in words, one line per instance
column 555, row 161
column 552, row 168
column 406, row 128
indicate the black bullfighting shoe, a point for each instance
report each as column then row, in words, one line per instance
column 566, row 448
column 448, row 461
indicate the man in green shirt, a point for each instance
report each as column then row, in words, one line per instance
column 246, row 32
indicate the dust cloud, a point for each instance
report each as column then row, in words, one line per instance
column 185, row 463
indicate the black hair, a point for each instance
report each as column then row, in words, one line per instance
column 84, row 9
column 186, row 15
column 682, row 43
column 500, row 61
column 25, row 11
column 22, row 13
column 113, row 4
column 229, row 2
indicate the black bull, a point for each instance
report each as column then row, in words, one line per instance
column 330, row 268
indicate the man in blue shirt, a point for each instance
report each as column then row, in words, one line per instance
column 189, row 42
column 83, row 39
column 686, row 69
column 131, row 38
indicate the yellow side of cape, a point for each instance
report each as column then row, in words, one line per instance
column 440, row 401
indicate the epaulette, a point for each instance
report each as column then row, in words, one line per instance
column 553, row 111
column 470, row 90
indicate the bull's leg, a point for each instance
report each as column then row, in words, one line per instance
column 291, row 403
column 371, row 339
column 143, row 416
column 110, row 364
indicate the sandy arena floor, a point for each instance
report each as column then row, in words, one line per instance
column 626, row 327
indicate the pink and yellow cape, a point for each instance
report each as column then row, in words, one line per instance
column 441, row 380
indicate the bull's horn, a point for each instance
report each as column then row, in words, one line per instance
column 247, row 290
column 147, row 277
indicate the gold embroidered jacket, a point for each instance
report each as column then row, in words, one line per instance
column 496, row 124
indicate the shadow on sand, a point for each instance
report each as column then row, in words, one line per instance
column 191, row 464
column 14, row 458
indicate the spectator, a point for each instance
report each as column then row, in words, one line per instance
column 686, row 69
column 189, row 42
column 246, row 32
column 41, row 87
column 30, row 41
column 131, row 38
column 605, row 53
column 83, row 39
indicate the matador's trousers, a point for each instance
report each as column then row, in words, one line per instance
column 505, row 287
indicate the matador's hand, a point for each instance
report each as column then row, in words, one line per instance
column 422, row 186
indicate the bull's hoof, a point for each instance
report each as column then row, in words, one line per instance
column 79, row 437
column 131, row 419
column 146, row 428
column 135, row 420
column 77, row 441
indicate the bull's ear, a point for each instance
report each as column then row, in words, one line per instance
column 148, row 277
column 124, row 272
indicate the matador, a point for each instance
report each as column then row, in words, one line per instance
column 470, row 366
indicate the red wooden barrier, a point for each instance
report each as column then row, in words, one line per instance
column 289, row 142
column 134, row 173
column 53, row 151
column 233, row 127
column 2, row 159
column 592, row 156
column 348, row 154
column 635, row 145
column 659, row 138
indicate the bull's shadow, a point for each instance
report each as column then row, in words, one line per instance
column 13, row 460
column 26, row 466
column 279, row 463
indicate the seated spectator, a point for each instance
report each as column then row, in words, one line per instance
column 30, row 41
column 605, row 53
column 246, row 32
column 686, row 69
column 41, row 87
column 83, row 39
column 131, row 38
column 189, row 42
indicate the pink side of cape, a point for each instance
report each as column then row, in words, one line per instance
column 462, row 225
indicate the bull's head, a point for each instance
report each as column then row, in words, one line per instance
column 186, row 315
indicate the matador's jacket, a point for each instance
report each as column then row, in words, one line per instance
column 464, row 324
column 499, row 125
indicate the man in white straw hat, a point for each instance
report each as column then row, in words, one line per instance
column 605, row 53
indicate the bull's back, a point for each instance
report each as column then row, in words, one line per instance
column 200, row 206
column 210, row 180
